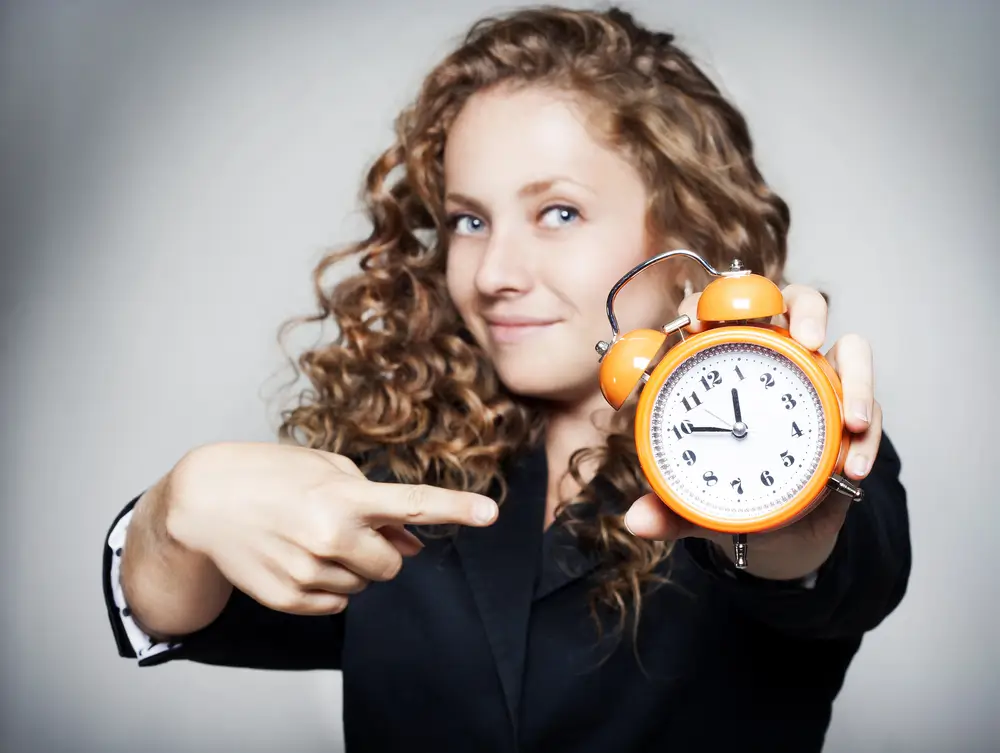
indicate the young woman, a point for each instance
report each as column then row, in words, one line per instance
column 549, row 154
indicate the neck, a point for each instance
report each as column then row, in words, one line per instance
column 569, row 428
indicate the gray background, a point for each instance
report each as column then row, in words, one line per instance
column 171, row 173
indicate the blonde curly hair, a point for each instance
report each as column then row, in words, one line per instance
column 405, row 385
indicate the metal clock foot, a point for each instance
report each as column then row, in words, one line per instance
column 740, row 545
column 840, row 484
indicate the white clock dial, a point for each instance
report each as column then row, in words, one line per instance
column 737, row 466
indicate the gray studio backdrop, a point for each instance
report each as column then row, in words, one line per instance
column 171, row 173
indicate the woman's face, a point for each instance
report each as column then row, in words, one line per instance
column 545, row 219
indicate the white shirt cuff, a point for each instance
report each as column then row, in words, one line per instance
column 144, row 646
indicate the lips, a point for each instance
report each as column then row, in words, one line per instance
column 516, row 321
column 507, row 329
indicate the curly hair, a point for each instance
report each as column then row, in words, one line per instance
column 403, row 382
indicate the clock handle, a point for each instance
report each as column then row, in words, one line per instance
column 639, row 268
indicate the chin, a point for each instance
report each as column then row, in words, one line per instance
column 548, row 377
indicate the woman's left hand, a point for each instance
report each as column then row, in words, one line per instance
column 798, row 549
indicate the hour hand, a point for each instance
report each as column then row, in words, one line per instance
column 736, row 407
column 710, row 428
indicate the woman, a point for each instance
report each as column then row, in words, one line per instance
column 549, row 154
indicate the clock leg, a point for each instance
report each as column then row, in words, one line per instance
column 840, row 484
column 740, row 545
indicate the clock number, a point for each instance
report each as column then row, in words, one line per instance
column 737, row 485
column 796, row 431
column 738, row 372
column 766, row 479
column 787, row 398
column 689, row 457
column 767, row 379
column 694, row 398
column 712, row 379
column 710, row 478
column 787, row 459
column 686, row 427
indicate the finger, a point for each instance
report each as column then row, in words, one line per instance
column 405, row 542
column 650, row 518
column 310, row 573
column 422, row 504
column 317, row 603
column 689, row 306
column 864, row 447
column 851, row 357
column 369, row 554
column 274, row 589
column 807, row 315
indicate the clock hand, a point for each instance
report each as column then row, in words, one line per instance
column 721, row 429
column 739, row 428
column 720, row 418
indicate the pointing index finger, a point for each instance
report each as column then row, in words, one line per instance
column 423, row 504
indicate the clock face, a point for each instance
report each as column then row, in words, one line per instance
column 737, row 431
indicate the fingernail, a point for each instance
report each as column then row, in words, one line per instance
column 484, row 510
column 860, row 410
column 625, row 523
column 859, row 465
column 813, row 332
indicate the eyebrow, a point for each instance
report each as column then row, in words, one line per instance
column 541, row 186
column 529, row 189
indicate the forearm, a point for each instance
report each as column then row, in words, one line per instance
column 171, row 590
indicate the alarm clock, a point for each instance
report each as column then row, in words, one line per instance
column 739, row 428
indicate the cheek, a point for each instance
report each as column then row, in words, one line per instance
column 459, row 278
column 648, row 301
column 589, row 280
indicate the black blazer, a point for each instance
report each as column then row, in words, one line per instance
column 485, row 642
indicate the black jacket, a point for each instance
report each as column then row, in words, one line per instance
column 485, row 642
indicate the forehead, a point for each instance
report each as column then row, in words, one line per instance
column 505, row 138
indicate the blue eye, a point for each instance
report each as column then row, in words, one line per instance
column 466, row 224
column 559, row 216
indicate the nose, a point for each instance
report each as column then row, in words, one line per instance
column 505, row 266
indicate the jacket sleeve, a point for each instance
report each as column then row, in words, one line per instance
column 245, row 634
column 859, row 585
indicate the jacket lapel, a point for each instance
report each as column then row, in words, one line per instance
column 563, row 562
column 564, row 559
column 501, row 563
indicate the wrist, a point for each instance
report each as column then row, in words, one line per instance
column 171, row 588
column 177, row 505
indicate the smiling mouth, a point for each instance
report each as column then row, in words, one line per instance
column 507, row 332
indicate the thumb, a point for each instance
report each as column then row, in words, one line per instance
column 650, row 518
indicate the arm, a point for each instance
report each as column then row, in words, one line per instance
column 166, row 602
column 860, row 583
column 170, row 590
column 247, row 553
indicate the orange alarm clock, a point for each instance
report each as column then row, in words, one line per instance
column 739, row 428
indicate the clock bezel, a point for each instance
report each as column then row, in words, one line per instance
column 828, row 390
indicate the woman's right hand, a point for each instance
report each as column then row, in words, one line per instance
column 298, row 529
